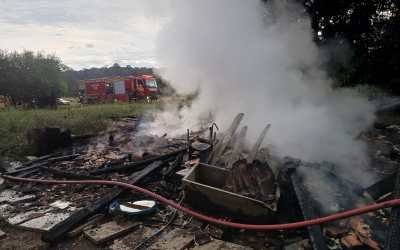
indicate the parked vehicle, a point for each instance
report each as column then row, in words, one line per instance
column 121, row 89
column 61, row 101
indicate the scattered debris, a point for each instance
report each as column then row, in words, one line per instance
column 242, row 184
column 60, row 204
column 201, row 237
column 132, row 240
column 11, row 197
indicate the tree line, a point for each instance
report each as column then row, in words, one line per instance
column 362, row 38
column 31, row 78
column 35, row 79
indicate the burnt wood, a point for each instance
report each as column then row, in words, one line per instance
column 136, row 164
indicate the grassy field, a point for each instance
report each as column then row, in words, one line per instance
column 87, row 119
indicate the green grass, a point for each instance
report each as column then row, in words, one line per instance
column 87, row 119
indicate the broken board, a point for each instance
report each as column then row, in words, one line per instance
column 133, row 239
column 45, row 222
column 11, row 196
column 109, row 231
column 26, row 216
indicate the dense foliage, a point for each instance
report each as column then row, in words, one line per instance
column 362, row 38
column 31, row 78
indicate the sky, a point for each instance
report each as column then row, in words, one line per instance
column 83, row 33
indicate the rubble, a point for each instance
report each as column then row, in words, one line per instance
column 12, row 197
column 214, row 173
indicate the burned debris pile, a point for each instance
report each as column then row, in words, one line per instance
column 255, row 180
column 209, row 171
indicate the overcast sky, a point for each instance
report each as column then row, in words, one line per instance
column 83, row 33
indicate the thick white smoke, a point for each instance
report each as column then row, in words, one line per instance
column 261, row 60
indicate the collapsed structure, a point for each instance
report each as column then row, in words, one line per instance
column 206, row 171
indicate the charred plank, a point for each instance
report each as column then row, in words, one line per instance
column 69, row 175
column 137, row 165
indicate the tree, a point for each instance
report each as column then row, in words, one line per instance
column 27, row 76
column 370, row 31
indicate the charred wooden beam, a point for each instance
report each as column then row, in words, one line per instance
column 59, row 230
column 39, row 159
column 174, row 165
column 237, row 147
column 63, row 158
column 137, row 165
column 69, row 175
column 256, row 147
column 308, row 211
column 26, row 169
column 44, row 163
column 382, row 187
column 226, row 140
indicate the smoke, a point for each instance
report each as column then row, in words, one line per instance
column 259, row 59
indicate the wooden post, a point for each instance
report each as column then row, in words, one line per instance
column 256, row 147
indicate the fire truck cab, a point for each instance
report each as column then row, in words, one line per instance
column 142, row 87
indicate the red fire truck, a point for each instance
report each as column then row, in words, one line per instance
column 121, row 89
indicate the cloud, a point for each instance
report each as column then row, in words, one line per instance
column 122, row 31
